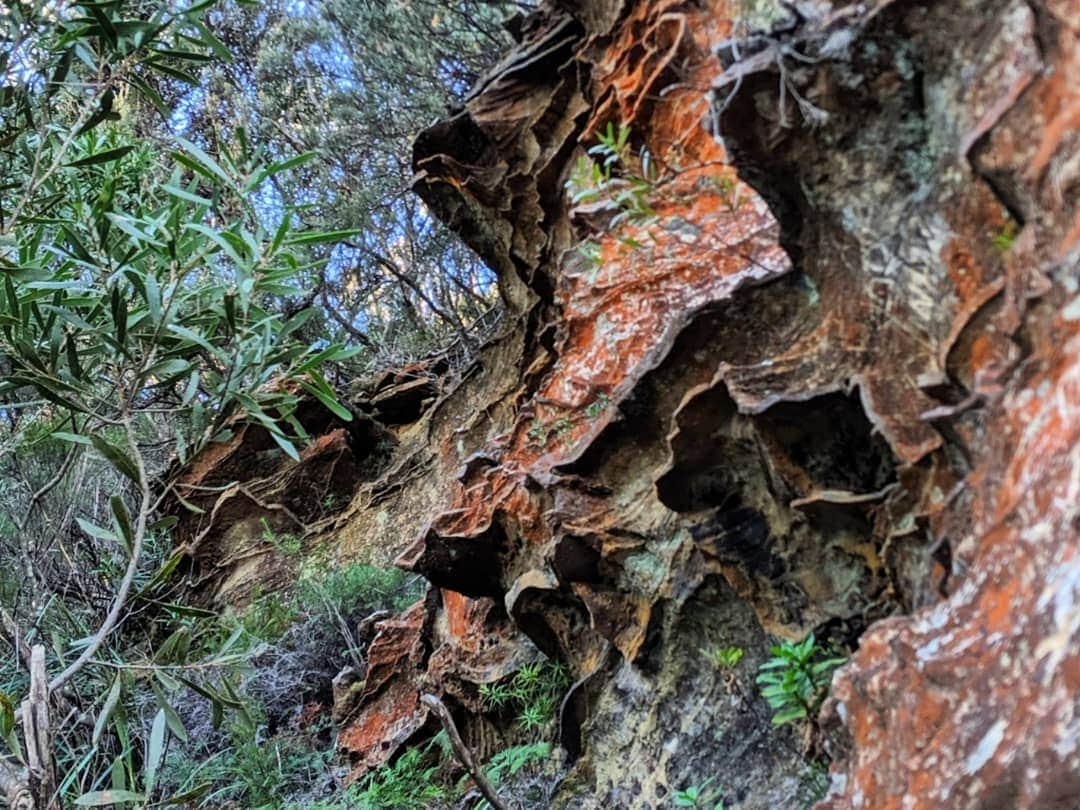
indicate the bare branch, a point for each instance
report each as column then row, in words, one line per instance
column 462, row 752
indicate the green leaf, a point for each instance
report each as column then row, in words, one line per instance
column 281, row 232
column 117, row 457
column 190, row 56
column 107, row 156
column 197, row 339
column 107, row 710
column 168, row 370
column 189, row 796
column 118, row 309
column 788, row 715
column 296, row 321
column 172, row 719
column 96, row 531
column 7, row 715
column 151, row 94
column 104, row 25
column 186, row 195
column 332, row 353
column 195, row 8
column 162, row 574
column 164, row 524
column 207, row 37
column 285, row 444
column 123, row 520
column 219, row 239
column 177, row 609
column 168, row 681
column 292, row 163
column 206, row 164
column 155, row 749
column 129, row 226
column 104, row 798
column 774, row 663
column 316, row 237
column 76, row 244
column 197, row 510
column 321, row 390
column 153, row 297
column 140, row 31
column 208, row 693
column 12, row 296
column 191, row 389
column 258, row 177
column 72, row 438
column 175, row 73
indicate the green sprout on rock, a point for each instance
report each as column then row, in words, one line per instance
column 796, row 679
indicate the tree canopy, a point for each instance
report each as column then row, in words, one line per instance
column 204, row 216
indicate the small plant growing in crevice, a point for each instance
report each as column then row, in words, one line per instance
column 286, row 544
column 699, row 796
column 1005, row 238
column 630, row 189
column 509, row 761
column 562, row 426
column 796, row 679
column 538, row 432
column 533, row 693
column 724, row 657
column 593, row 254
column 266, row 618
column 813, row 785
column 597, row 407
column 609, row 172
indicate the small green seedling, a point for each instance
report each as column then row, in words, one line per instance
column 597, row 407
column 724, row 657
column 796, row 679
column 1005, row 239
column 700, row 796
column 287, row 544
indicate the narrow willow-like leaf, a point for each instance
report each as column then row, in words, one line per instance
column 117, row 457
column 155, row 749
column 106, row 798
column 106, row 156
column 107, row 710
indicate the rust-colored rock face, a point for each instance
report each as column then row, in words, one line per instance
column 810, row 360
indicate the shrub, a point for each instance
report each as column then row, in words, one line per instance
column 357, row 587
column 250, row 770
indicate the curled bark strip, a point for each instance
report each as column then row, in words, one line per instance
column 462, row 752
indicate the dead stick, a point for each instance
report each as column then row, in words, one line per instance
column 462, row 752
column 37, row 731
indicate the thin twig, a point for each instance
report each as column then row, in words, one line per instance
column 462, row 752
column 37, row 731
column 120, row 599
